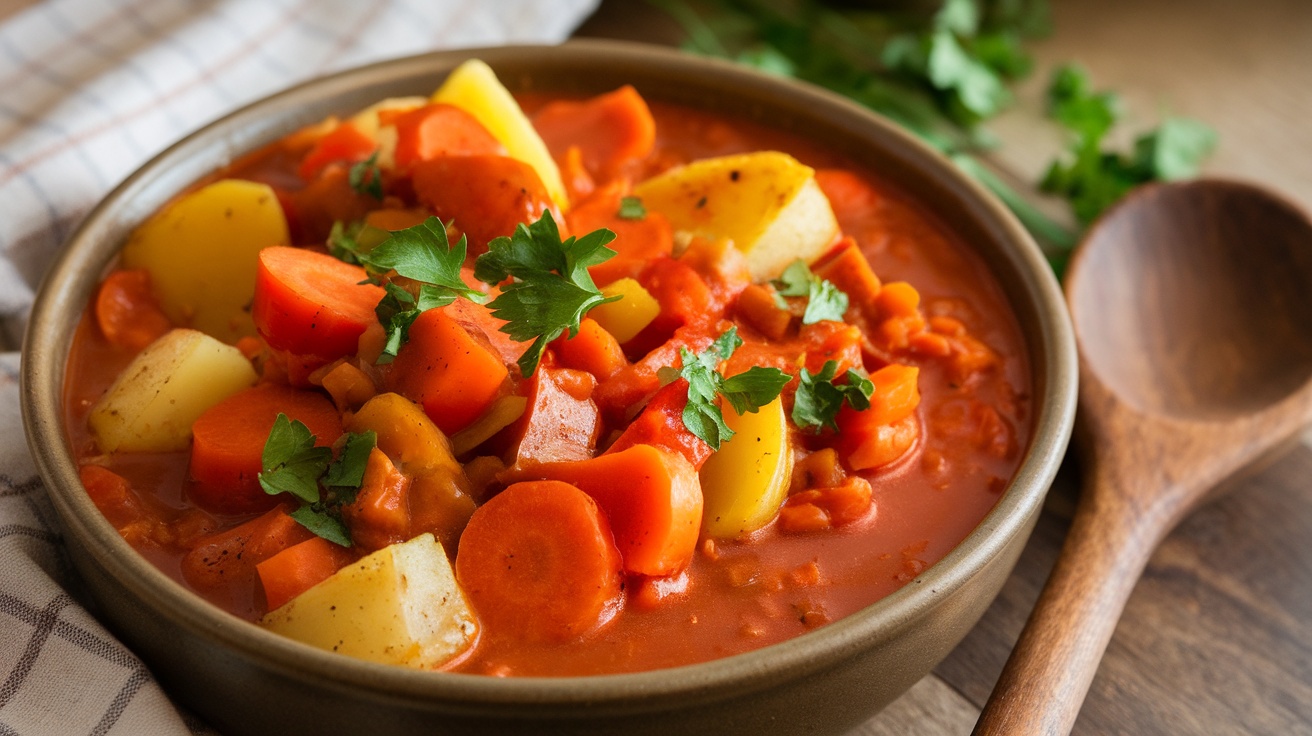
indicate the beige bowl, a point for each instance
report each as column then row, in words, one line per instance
column 243, row 679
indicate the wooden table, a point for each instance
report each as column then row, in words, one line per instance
column 1217, row 638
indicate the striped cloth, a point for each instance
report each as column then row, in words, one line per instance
column 89, row 90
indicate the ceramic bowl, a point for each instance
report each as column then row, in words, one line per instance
column 242, row 679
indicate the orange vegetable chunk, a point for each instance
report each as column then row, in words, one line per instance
column 449, row 372
column 299, row 568
column 486, row 196
column 127, row 312
column 610, row 130
column 310, row 303
column 436, row 130
column 561, row 422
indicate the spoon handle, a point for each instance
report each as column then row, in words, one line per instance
column 1048, row 674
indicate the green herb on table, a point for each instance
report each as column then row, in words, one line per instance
column 294, row 465
column 746, row 392
column 365, row 177
column 551, row 289
column 819, row 398
column 824, row 300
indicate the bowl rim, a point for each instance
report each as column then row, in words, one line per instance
column 1052, row 374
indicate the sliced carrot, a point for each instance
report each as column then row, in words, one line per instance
column 310, row 303
column 651, row 497
column 127, row 312
column 824, row 508
column 112, row 494
column 538, row 562
column 228, row 559
column 757, row 307
column 560, row 423
column 344, row 143
column 593, row 350
column 897, row 394
column 848, row 269
column 685, row 299
column 478, row 320
column 828, row 340
column 228, row 444
column 436, row 130
column 486, row 196
column 661, row 424
column 611, row 130
column 445, row 369
column 870, row 446
column 299, row 568
column 637, row 241
column 635, row 383
column 380, row 514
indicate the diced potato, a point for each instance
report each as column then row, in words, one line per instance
column 367, row 121
column 627, row 317
column 201, row 253
column 745, row 483
column 399, row 605
column 474, row 87
column 152, row 405
column 767, row 203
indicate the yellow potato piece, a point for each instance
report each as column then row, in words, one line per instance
column 627, row 317
column 745, row 483
column 767, row 203
column 400, row 605
column 155, row 400
column 201, row 253
column 474, row 88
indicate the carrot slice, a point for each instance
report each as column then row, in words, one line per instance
column 848, row 269
column 112, row 494
column 593, row 350
column 661, row 424
column 610, row 130
column 127, row 312
column 228, row 443
column 486, row 196
column 441, row 130
column 538, row 562
column 299, row 568
column 380, row 514
column 637, row 241
column 449, row 372
column 343, row 143
column 310, row 303
column 652, row 498
column 228, row 559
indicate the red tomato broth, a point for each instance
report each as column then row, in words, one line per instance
column 738, row 595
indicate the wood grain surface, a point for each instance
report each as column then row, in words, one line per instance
column 1217, row 636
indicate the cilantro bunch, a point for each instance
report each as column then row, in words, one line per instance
column 294, row 465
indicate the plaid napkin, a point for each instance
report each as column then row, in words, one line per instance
column 91, row 90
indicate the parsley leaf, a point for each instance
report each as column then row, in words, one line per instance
column 424, row 255
column 746, row 392
column 631, row 208
column 824, row 300
column 366, row 178
column 818, row 398
column 552, row 288
column 293, row 464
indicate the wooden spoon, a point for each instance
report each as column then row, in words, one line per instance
column 1192, row 306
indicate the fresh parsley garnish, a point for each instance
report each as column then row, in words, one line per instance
column 818, row 398
column 824, row 300
column 631, row 208
column 746, row 392
column 550, row 290
column 366, row 178
column 424, row 255
column 293, row 464
column 342, row 243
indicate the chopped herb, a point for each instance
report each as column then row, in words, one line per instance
column 551, row 290
column 818, row 398
column 342, row 243
column 293, row 464
column 824, row 300
column 631, row 208
column 366, row 178
column 746, row 392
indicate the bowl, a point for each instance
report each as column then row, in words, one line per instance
column 243, row 679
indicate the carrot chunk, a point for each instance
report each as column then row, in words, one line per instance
column 310, row 303
column 610, row 130
column 299, row 568
column 345, row 143
column 436, row 130
column 228, row 444
column 538, row 562
column 486, row 196
column 637, row 240
column 454, row 376
column 127, row 312
column 593, row 350
column 653, row 500
column 661, row 424
column 228, row 559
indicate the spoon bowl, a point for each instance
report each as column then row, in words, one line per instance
column 1192, row 308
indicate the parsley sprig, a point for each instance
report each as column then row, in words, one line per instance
column 365, row 177
column 746, row 392
column 294, row 465
column 551, row 288
column 819, row 398
column 824, row 300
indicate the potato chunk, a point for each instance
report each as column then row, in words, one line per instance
column 744, row 484
column 155, row 400
column 474, row 88
column 201, row 252
column 399, row 605
column 767, row 203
